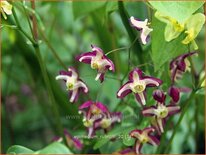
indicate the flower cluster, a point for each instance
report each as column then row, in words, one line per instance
column 97, row 116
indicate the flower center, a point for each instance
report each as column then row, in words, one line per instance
column 105, row 123
column 88, row 123
column 190, row 36
column 143, row 139
column 138, row 88
column 162, row 112
column 95, row 65
column 70, row 86
column 95, row 110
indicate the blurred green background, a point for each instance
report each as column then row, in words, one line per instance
column 69, row 28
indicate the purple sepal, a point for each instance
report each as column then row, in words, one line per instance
column 159, row 96
column 174, row 93
column 86, row 104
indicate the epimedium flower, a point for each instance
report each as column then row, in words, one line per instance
column 71, row 141
column 160, row 111
column 142, row 137
column 193, row 25
column 141, row 26
column 73, row 84
column 6, row 8
column 98, row 60
column 173, row 28
column 97, row 116
column 180, row 65
column 137, row 84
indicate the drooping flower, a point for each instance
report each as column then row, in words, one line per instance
column 142, row 26
column 71, row 141
column 6, row 8
column 173, row 28
column 98, row 60
column 174, row 93
column 73, row 83
column 179, row 65
column 137, row 84
column 161, row 111
column 193, row 26
column 142, row 137
column 97, row 116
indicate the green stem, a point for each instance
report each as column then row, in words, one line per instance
column 50, row 92
column 125, row 19
column 197, row 125
column 52, row 49
column 21, row 30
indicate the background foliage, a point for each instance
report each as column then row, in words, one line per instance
column 65, row 29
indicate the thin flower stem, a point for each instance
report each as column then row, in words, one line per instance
column 45, row 75
column 21, row 30
column 118, row 49
column 52, row 49
column 196, row 125
column 125, row 20
column 27, row 17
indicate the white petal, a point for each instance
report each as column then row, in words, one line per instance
column 144, row 34
column 141, row 95
column 61, row 77
column 98, row 76
column 81, row 84
column 85, row 57
column 74, row 93
column 124, row 88
column 160, row 125
column 148, row 111
column 90, row 131
column 150, row 81
column 138, row 24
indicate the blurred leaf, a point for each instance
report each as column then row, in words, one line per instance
column 163, row 51
column 178, row 10
column 111, row 6
column 127, row 140
column 17, row 149
column 84, row 8
column 55, row 148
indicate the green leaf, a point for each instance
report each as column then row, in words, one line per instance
column 83, row 8
column 178, row 10
column 54, row 148
column 127, row 140
column 17, row 149
column 163, row 51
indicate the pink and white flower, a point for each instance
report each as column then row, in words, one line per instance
column 142, row 137
column 73, row 83
column 98, row 60
column 141, row 26
column 180, row 65
column 138, row 84
column 161, row 111
column 71, row 141
column 97, row 116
